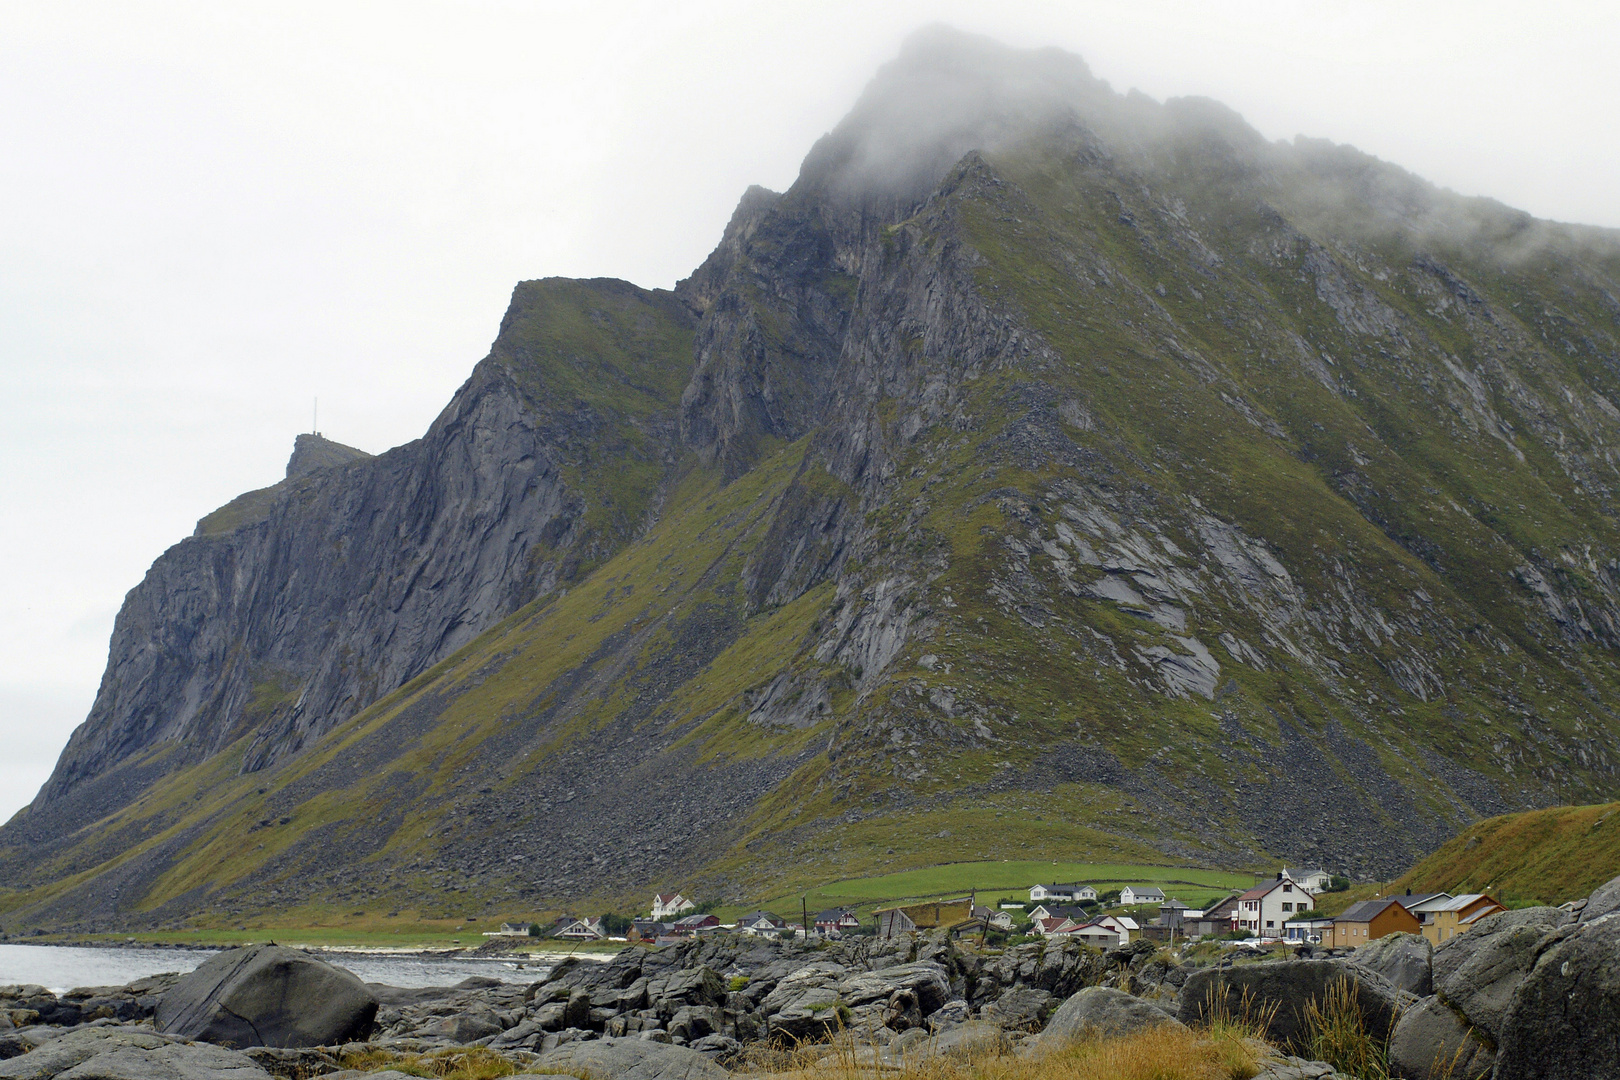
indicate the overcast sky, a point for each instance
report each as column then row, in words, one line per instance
column 211, row 213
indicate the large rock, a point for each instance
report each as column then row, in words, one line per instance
column 1477, row 972
column 1290, row 985
column 1101, row 1011
column 804, row 1004
column 1454, row 954
column 926, row 981
column 1405, row 960
column 114, row 1053
column 267, row 995
column 630, row 1059
column 1023, row 1008
column 1564, row 1021
column 1603, row 901
column 1432, row 1042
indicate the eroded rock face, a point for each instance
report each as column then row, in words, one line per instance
column 1604, row 900
column 267, row 995
column 1405, row 960
column 1432, row 1042
column 111, row 1053
column 1563, row 1021
column 1477, row 972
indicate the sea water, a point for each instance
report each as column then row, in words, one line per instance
column 63, row 967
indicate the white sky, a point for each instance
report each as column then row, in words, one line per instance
column 212, row 212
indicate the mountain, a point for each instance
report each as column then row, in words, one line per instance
column 1046, row 471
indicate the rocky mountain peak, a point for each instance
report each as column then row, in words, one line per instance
column 313, row 452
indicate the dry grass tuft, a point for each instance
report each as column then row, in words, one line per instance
column 1339, row 1035
column 452, row 1063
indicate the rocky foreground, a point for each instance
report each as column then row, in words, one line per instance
column 1528, row 993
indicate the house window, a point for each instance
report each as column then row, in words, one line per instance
column 1287, row 906
column 1287, row 887
column 1271, row 923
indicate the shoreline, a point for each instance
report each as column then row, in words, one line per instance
column 539, row 957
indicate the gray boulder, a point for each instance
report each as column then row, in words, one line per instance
column 804, row 1003
column 1564, row 1020
column 1405, row 960
column 1023, row 1008
column 970, row 1039
column 1601, row 902
column 177, row 1061
column 1432, row 1042
column 462, row 1029
column 1453, row 954
column 1103, row 1011
column 630, row 1059
column 926, row 981
column 267, row 995
column 1291, row 985
column 1477, row 972
column 1284, row 1067
column 114, row 1053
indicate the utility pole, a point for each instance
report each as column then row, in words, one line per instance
column 804, row 916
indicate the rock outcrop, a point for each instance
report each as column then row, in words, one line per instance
column 1526, row 993
column 268, row 995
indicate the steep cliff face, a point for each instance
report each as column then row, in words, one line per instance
column 1047, row 470
column 294, row 607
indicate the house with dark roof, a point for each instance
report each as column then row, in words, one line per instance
column 1369, row 920
column 1314, row 880
column 835, row 922
column 1173, row 915
column 761, row 922
column 692, row 925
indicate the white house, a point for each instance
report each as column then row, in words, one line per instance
column 1314, row 880
column 669, row 905
column 1141, row 894
column 761, row 922
column 579, row 929
column 999, row 920
column 1085, row 892
column 1098, row 935
column 1265, row 909
column 509, row 930
column 1123, row 925
column 1039, row 893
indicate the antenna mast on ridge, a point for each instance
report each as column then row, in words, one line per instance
column 315, row 418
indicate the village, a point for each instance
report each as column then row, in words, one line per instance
column 1281, row 909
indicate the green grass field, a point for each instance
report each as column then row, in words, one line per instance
column 994, row 881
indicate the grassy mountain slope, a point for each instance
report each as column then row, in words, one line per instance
column 1543, row 856
column 1135, row 491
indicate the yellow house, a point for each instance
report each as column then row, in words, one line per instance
column 1445, row 921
